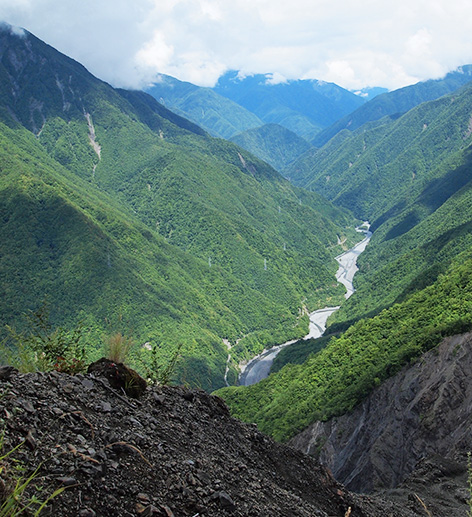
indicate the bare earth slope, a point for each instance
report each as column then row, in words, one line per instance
column 423, row 413
column 174, row 452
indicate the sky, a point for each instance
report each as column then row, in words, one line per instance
column 353, row 43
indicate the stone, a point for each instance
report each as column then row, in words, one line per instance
column 6, row 372
column 225, row 501
column 120, row 377
column 67, row 481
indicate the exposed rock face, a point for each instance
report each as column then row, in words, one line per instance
column 172, row 453
column 424, row 410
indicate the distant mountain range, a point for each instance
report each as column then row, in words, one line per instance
column 397, row 102
column 236, row 104
column 410, row 175
column 127, row 216
column 313, row 110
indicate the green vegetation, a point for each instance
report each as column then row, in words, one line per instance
column 410, row 178
column 118, row 347
column 305, row 106
column 338, row 377
column 382, row 167
column 400, row 101
column 299, row 352
column 19, row 494
column 272, row 143
column 118, row 210
column 40, row 347
column 220, row 116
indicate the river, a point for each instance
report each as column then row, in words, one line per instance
column 259, row 367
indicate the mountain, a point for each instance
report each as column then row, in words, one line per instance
column 397, row 102
column 411, row 177
column 336, row 379
column 220, row 116
column 272, row 143
column 125, row 215
column 304, row 106
column 423, row 412
column 368, row 93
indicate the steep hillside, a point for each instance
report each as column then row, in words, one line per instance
column 218, row 115
column 174, row 452
column 403, row 259
column 397, row 102
column 272, row 143
column 411, row 179
column 420, row 412
column 257, row 249
column 380, row 168
column 338, row 377
column 78, row 249
column 304, row 106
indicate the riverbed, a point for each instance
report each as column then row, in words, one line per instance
column 259, row 367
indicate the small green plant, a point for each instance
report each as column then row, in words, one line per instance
column 16, row 497
column 158, row 373
column 42, row 347
column 118, row 347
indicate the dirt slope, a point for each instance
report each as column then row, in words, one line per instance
column 423, row 414
column 174, row 452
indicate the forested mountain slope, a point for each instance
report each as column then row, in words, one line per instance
column 397, row 102
column 220, row 116
column 380, row 168
column 412, row 178
column 276, row 145
column 304, row 106
column 338, row 377
column 171, row 202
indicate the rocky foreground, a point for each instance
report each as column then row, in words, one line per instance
column 174, row 452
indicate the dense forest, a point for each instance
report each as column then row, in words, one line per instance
column 123, row 216
column 410, row 176
column 333, row 380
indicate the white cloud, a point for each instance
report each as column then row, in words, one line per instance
column 356, row 44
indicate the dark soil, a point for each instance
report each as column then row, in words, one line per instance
column 174, row 452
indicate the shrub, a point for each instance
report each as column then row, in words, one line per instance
column 118, row 347
column 42, row 347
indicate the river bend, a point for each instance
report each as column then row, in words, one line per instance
column 259, row 367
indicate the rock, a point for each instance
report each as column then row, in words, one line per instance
column 225, row 501
column 119, row 376
column 223, row 468
column 87, row 512
column 6, row 372
column 422, row 411
column 167, row 511
column 158, row 398
column 67, row 481
column 30, row 441
column 188, row 396
column 105, row 406
column 88, row 384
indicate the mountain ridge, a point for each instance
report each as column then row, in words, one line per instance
column 171, row 197
column 397, row 102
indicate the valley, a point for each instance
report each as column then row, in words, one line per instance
column 259, row 367
column 202, row 225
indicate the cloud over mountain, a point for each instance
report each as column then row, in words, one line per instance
column 354, row 44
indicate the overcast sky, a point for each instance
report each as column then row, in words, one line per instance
column 354, row 43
